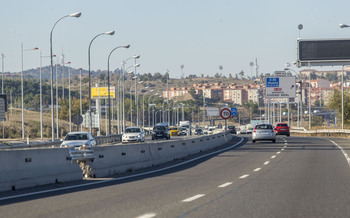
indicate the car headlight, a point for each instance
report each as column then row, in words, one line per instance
column 139, row 136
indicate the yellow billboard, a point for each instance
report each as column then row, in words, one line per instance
column 102, row 92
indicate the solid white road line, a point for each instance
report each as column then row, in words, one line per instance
column 257, row 169
column 273, row 156
column 225, row 185
column 244, row 176
column 344, row 153
column 120, row 178
column 193, row 198
column 147, row 215
column 267, row 162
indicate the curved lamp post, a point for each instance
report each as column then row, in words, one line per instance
column 111, row 33
column 22, row 88
column 77, row 14
column 109, row 93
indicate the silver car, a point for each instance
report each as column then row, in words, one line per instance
column 263, row 132
column 78, row 140
column 133, row 134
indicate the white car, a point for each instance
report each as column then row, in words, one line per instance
column 78, row 140
column 133, row 134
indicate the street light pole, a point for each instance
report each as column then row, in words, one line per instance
column 105, row 33
column 108, row 84
column 81, row 105
column 77, row 14
column 23, row 134
column 41, row 95
column 69, row 99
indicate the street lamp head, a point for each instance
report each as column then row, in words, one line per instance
column 131, row 72
column 136, row 65
column 343, row 25
column 76, row 14
column 126, row 46
column 110, row 33
column 136, row 56
column 141, row 82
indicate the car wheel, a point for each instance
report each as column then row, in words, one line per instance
column 274, row 141
column 288, row 135
column 253, row 141
column 152, row 138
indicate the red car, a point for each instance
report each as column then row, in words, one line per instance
column 282, row 129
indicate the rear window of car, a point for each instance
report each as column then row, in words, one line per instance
column 231, row 127
column 282, row 124
column 173, row 128
column 263, row 127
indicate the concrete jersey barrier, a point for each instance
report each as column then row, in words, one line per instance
column 22, row 168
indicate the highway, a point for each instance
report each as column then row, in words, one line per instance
column 294, row 177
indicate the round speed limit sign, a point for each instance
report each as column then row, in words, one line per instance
column 225, row 113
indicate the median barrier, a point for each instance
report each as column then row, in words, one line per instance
column 21, row 168
column 24, row 168
column 113, row 160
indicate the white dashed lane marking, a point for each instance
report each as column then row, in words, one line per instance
column 225, row 185
column 267, row 162
column 274, row 156
column 193, row 198
column 257, row 169
column 147, row 215
column 244, row 176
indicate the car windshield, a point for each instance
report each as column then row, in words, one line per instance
column 131, row 130
column 231, row 127
column 76, row 136
column 159, row 128
column 263, row 127
column 173, row 128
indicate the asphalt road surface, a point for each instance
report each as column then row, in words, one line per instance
column 294, row 177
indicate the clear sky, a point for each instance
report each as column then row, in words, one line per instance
column 199, row 34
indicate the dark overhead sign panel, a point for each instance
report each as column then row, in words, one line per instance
column 323, row 52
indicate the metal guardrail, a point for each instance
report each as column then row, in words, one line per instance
column 321, row 131
column 100, row 140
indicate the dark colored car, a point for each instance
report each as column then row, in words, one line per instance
column 160, row 132
column 198, row 132
column 232, row 129
column 282, row 129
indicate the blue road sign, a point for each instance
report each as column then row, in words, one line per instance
column 272, row 82
column 233, row 111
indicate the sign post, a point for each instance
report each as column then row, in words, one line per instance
column 225, row 113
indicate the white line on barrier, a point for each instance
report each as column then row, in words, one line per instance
column 193, row 198
column 121, row 178
column 225, row 185
column 344, row 153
